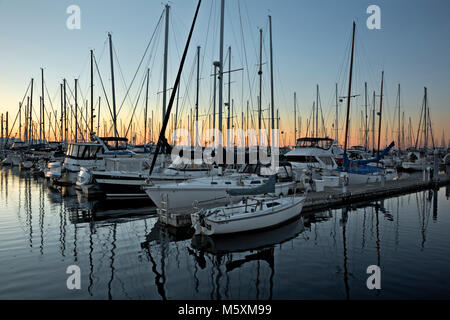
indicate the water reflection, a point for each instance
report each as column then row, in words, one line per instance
column 258, row 246
column 125, row 253
column 423, row 201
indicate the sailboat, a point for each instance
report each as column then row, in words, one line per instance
column 359, row 171
column 252, row 213
column 124, row 178
column 205, row 192
column 417, row 159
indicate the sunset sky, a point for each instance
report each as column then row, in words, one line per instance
column 311, row 41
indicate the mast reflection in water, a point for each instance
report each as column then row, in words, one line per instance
column 124, row 253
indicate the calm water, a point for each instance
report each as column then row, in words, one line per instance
column 123, row 254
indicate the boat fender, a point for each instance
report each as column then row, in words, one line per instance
column 346, row 180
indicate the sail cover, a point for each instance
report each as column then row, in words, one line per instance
column 268, row 187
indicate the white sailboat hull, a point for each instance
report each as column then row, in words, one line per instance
column 355, row 179
column 414, row 166
column 256, row 220
column 185, row 197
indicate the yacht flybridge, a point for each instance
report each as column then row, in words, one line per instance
column 313, row 157
column 89, row 155
column 312, row 152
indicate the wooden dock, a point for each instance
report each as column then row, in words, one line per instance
column 335, row 197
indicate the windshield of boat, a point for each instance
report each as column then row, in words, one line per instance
column 314, row 143
column 84, row 151
column 114, row 144
column 250, row 168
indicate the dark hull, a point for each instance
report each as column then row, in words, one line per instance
column 122, row 189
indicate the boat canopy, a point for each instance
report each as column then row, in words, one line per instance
column 322, row 143
column 115, row 143
column 84, row 151
column 346, row 162
column 265, row 169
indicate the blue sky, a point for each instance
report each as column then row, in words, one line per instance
column 311, row 42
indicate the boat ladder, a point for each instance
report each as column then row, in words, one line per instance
column 164, row 204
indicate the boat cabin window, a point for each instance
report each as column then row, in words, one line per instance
column 266, row 171
column 255, row 182
column 314, row 143
column 115, row 145
column 272, row 204
column 250, row 168
column 72, row 151
column 302, row 159
column 80, row 151
column 327, row 160
column 284, row 173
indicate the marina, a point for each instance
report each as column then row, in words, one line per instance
column 124, row 253
column 177, row 166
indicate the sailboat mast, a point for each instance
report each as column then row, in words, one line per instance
column 425, row 126
column 166, row 53
column 30, row 123
column 366, row 130
column 271, row 81
column 317, row 111
column 66, row 130
column 399, row 121
column 337, row 115
column 162, row 140
column 373, row 124
column 6, row 127
column 248, row 118
column 20, row 120
column 76, row 110
column 197, row 98
column 112, row 84
column 26, row 118
column 381, row 112
column 216, row 64
column 98, row 118
column 222, row 22
column 349, row 88
column 295, row 117
column 176, row 116
column 260, row 86
column 229, row 95
column 92, row 91
column 146, row 109
column 42, row 125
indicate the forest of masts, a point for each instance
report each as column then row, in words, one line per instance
column 71, row 116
